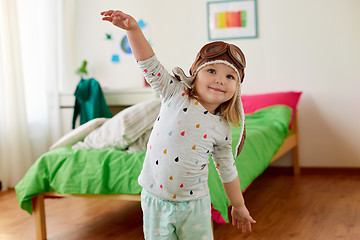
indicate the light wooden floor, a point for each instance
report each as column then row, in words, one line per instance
column 306, row 208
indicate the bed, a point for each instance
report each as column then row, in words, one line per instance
column 91, row 162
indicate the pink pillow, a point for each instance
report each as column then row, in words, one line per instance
column 252, row 103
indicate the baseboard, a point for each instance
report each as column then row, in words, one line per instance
column 314, row 170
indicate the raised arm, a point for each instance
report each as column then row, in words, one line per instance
column 138, row 43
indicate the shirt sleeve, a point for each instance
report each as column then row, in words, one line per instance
column 158, row 77
column 224, row 161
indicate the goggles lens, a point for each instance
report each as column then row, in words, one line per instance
column 213, row 49
column 237, row 55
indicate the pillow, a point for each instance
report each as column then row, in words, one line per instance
column 252, row 103
column 79, row 133
column 124, row 128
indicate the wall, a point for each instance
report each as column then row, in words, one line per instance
column 309, row 46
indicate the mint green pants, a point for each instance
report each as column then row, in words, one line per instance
column 165, row 219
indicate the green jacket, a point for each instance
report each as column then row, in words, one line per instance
column 89, row 102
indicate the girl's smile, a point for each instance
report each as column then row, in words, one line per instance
column 216, row 89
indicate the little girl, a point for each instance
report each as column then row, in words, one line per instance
column 193, row 122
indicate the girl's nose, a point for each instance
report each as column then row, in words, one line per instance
column 219, row 81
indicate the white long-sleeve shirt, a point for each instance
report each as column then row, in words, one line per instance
column 184, row 134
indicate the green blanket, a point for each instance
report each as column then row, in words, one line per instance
column 70, row 171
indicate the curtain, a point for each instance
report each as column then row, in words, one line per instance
column 30, row 35
column 15, row 150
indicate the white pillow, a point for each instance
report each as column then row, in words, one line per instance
column 79, row 133
column 124, row 128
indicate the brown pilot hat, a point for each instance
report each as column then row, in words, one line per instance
column 223, row 53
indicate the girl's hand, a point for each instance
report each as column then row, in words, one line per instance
column 241, row 218
column 139, row 45
column 119, row 19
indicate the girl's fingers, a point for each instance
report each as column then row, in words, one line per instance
column 243, row 227
column 119, row 14
column 107, row 13
column 251, row 220
column 249, row 226
column 107, row 19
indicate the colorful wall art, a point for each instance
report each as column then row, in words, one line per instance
column 232, row 19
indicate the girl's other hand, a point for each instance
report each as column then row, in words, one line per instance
column 119, row 19
column 242, row 219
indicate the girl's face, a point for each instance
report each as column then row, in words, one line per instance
column 215, row 84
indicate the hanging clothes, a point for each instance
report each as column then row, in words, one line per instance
column 89, row 102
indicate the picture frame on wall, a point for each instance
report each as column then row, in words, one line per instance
column 232, row 19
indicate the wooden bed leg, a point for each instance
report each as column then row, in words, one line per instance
column 295, row 152
column 39, row 217
column 296, row 164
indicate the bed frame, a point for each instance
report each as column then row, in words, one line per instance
column 289, row 144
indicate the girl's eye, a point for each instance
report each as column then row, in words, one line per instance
column 212, row 71
column 230, row 77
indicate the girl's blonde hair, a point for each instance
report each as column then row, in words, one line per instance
column 227, row 110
